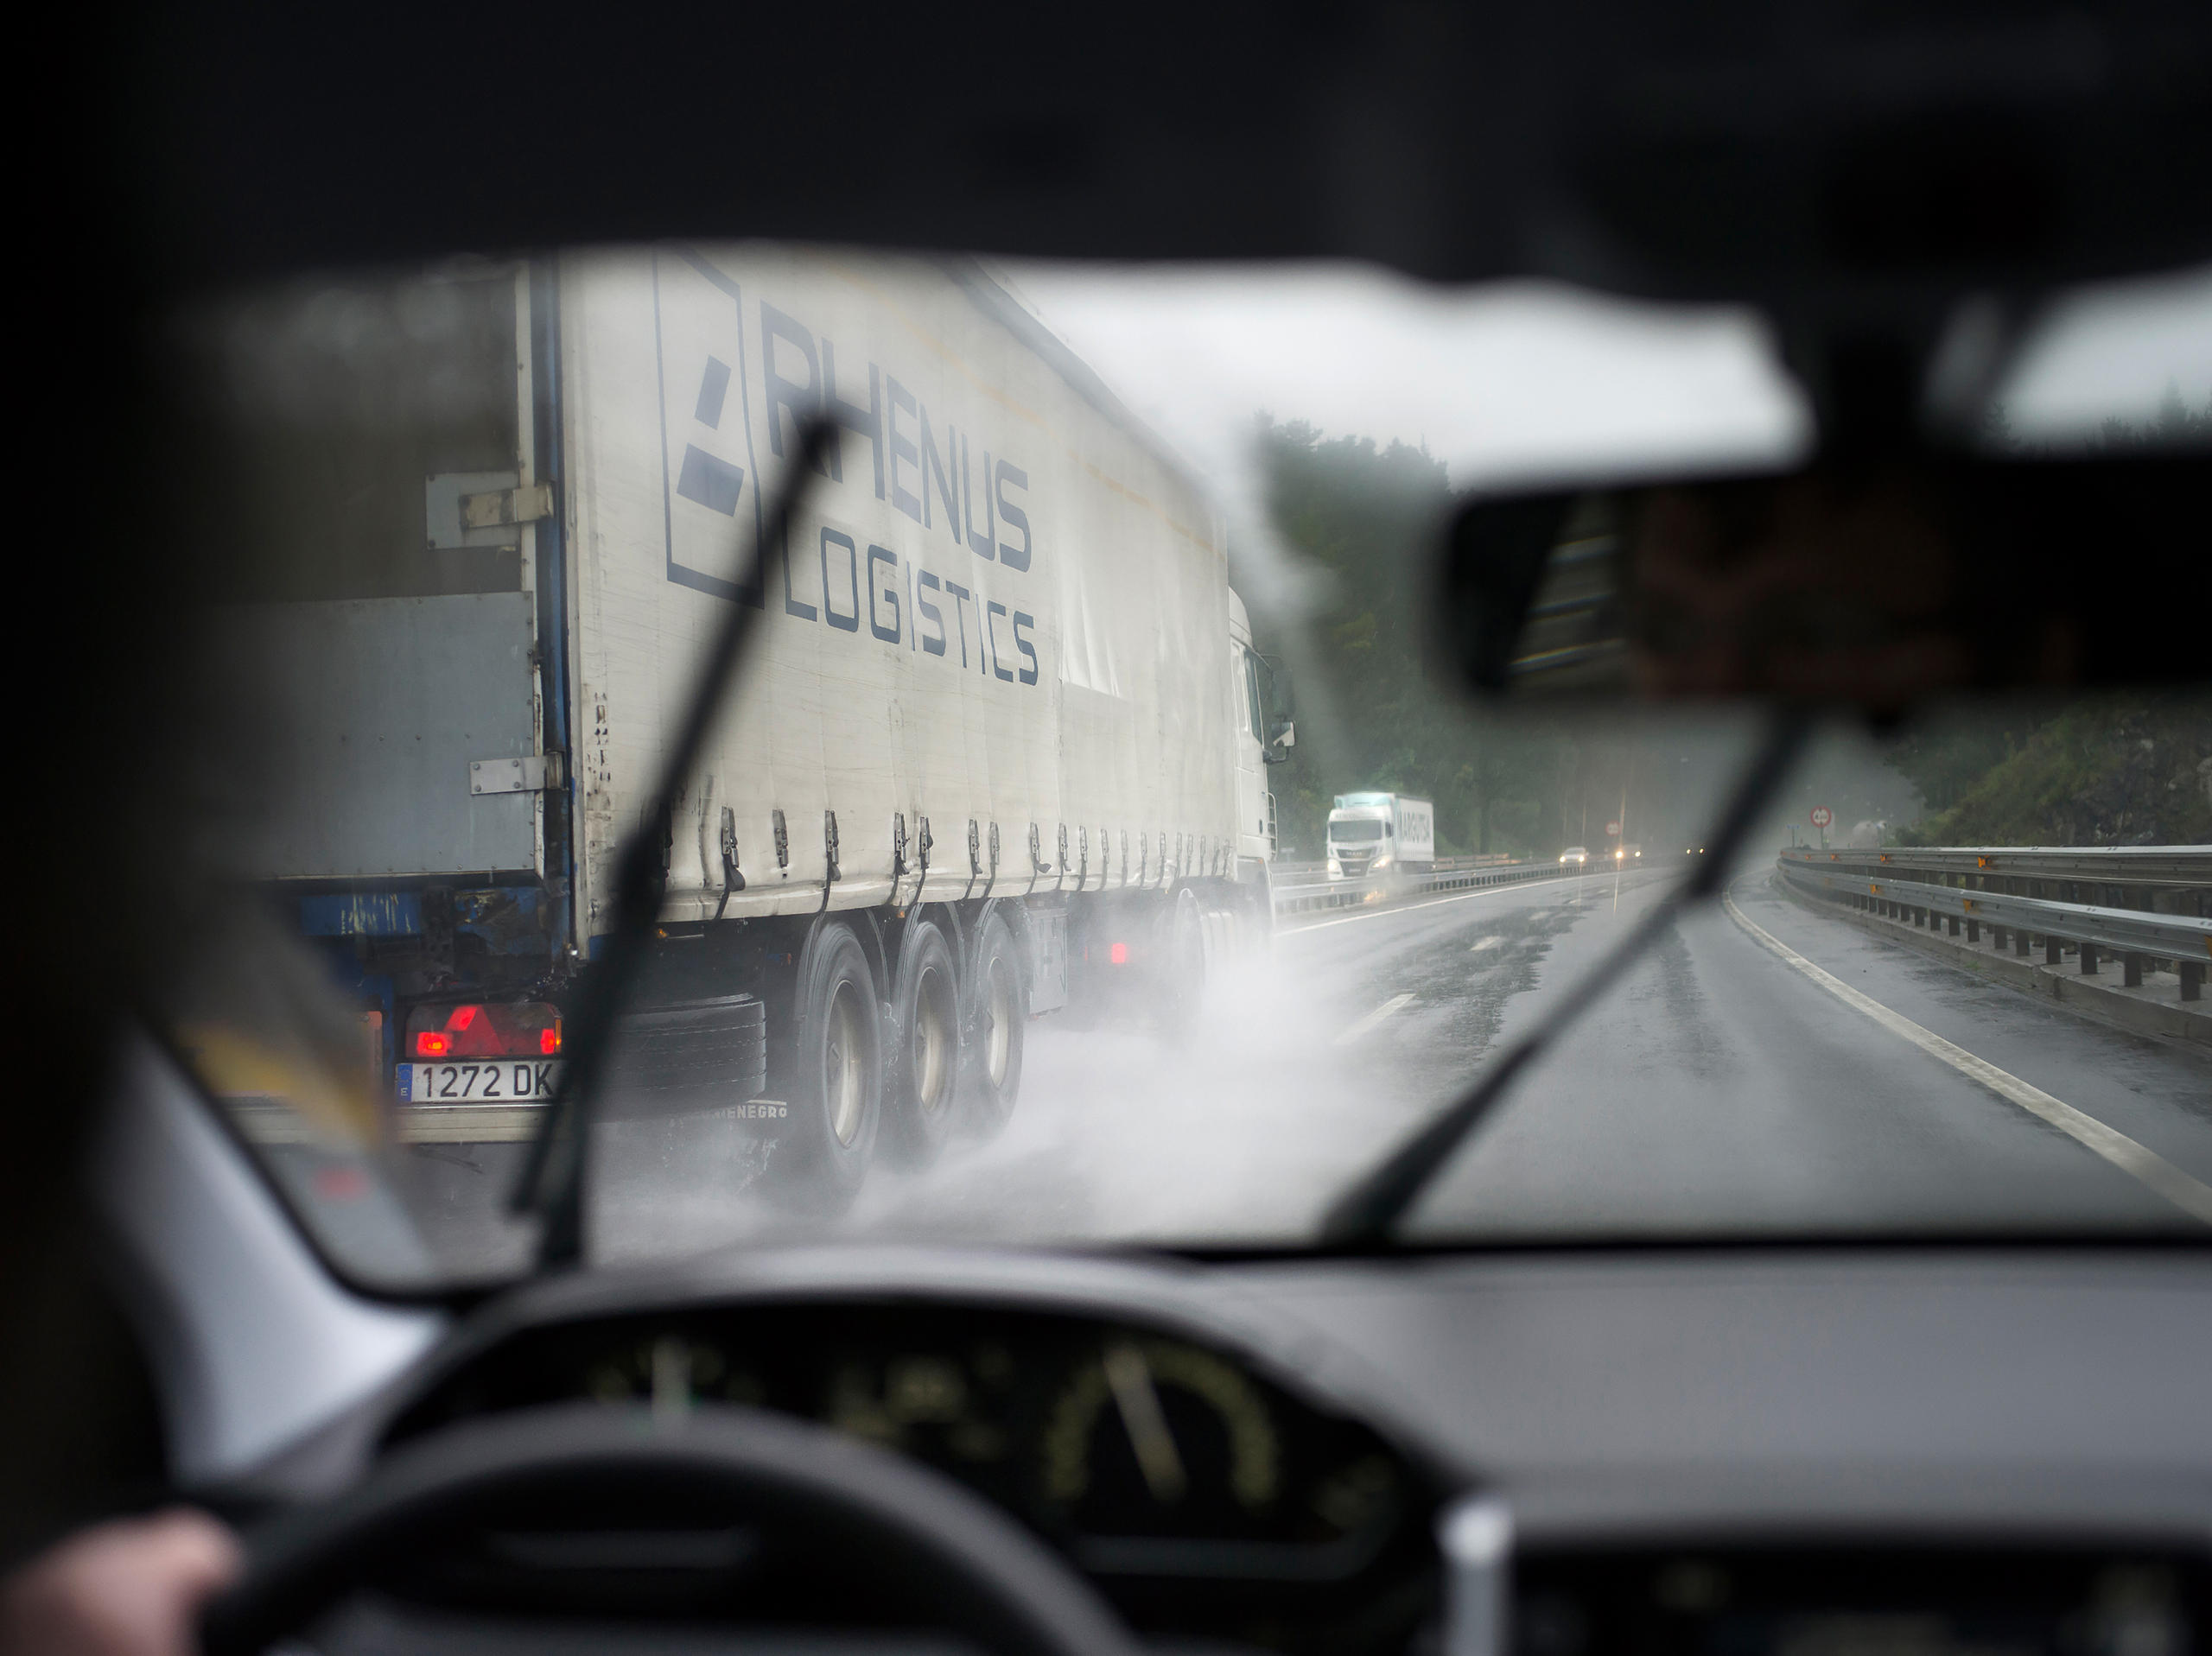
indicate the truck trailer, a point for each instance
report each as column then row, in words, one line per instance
column 999, row 750
column 1381, row 834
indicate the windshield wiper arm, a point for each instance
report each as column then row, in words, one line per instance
column 1367, row 1213
column 552, row 1182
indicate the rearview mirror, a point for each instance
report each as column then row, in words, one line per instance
column 1874, row 585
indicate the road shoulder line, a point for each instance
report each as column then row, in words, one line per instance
column 2080, row 997
column 2191, row 1195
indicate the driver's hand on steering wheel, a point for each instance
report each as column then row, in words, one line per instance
column 132, row 1587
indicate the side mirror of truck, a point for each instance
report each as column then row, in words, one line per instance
column 1274, row 704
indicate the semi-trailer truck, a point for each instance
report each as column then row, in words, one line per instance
column 1376, row 834
column 1000, row 749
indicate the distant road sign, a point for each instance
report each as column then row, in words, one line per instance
column 1822, row 816
column 1613, row 828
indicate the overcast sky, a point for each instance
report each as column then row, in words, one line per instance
column 1515, row 380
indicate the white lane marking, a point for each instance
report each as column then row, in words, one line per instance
column 2191, row 1195
column 1481, row 944
column 1372, row 1019
column 1408, row 908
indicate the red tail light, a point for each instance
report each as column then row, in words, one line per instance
column 1118, row 954
column 483, row 1030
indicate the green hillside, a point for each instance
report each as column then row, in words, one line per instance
column 2132, row 771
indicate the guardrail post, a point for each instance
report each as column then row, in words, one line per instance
column 1973, row 931
column 1998, row 939
column 2049, row 950
column 2089, row 959
column 2192, row 981
column 1955, row 925
column 2020, row 944
column 2131, row 971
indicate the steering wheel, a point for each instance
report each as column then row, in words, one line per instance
column 944, row 1554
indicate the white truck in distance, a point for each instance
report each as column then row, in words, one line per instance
column 999, row 750
column 1381, row 833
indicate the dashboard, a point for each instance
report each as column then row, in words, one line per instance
column 1770, row 1452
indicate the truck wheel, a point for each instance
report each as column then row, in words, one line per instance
column 837, row 1101
column 923, row 1090
column 994, row 1065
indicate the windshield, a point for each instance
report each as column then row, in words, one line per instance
column 993, row 899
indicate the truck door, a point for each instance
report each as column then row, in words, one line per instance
column 390, row 626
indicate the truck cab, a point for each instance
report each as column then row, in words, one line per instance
column 1360, row 840
column 1381, row 833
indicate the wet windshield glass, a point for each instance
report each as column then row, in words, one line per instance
column 998, row 901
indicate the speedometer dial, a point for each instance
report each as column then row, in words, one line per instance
column 1156, row 1438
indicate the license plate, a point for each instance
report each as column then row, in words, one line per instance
column 482, row 1081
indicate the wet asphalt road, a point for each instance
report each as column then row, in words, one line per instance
column 1713, row 1090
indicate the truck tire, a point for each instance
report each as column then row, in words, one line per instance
column 1183, row 971
column 1000, row 1022
column 837, row 1067
column 922, row 1083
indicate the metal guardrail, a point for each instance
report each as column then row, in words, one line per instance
column 2101, row 869
column 1977, row 896
column 1288, row 871
column 1294, row 896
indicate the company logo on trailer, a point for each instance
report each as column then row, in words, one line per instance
column 714, row 348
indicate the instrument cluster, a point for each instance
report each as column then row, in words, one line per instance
column 1199, row 1496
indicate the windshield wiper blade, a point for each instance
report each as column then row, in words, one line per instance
column 552, row 1182
column 1365, row 1215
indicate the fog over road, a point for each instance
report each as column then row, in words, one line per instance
column 1714, row 1090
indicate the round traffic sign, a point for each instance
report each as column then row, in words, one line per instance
column 1613, row 828
column 1822, row 816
